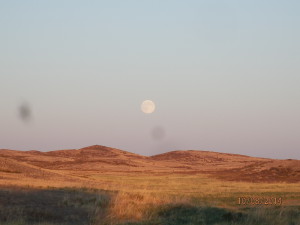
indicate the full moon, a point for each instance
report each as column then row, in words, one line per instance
column 148, row 106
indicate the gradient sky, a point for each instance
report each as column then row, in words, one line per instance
column 225, row 75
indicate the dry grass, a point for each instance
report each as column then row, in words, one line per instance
column 201, row 188
column 138, row 195
column 196, row 186
column 159, row 200
column 139, row 205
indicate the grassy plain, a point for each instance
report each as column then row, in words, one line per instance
column 116, row 198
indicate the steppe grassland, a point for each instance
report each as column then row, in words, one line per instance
column 144, row 191
column 188, row 185
column 134, row 196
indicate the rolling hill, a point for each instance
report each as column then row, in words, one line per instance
column 80, row 164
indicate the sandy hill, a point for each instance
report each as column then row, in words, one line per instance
column 101, row 159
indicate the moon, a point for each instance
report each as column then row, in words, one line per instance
column 148, row 106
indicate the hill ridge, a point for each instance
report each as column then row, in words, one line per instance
column 103, row 147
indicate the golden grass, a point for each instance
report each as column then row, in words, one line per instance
column 200, row 185
column 136, row 193
column 139, row 205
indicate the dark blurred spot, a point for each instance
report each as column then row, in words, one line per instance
column 158, row 133
column 25, row 112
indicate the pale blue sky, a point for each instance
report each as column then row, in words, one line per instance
column 225, row 75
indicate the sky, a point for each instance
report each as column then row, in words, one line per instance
column 224, row 75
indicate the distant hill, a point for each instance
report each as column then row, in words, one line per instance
column 76, row 163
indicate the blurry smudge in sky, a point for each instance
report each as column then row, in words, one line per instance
column 158, row 133
column 25, row 112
